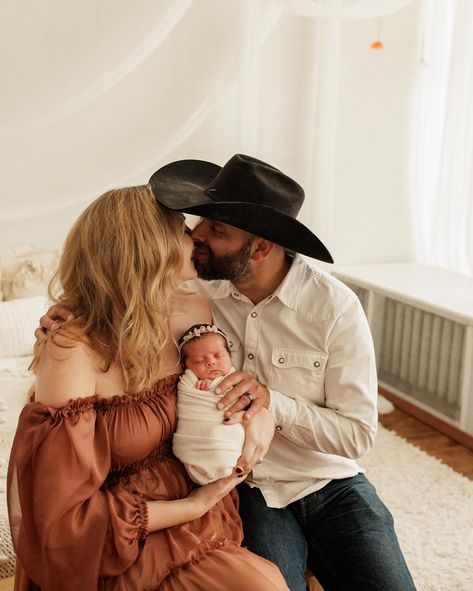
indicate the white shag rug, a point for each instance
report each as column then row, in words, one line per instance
column 432, row 507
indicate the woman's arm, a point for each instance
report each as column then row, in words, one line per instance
column 67, row 371
column 163, row 514
column 259, row 432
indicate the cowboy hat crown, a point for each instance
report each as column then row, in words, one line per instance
column 247, row 193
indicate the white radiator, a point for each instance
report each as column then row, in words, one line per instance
column 424, row 349
column 422, row 355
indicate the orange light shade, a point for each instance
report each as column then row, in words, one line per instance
column 377, row 45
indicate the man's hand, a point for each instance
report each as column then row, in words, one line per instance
column 242, row 388
column 52, row 320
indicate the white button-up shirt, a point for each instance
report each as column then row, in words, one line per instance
column 310, row 343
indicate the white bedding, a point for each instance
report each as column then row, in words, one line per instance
column 24, row 277
column 15, row 384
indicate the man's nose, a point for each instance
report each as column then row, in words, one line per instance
column 198, row 233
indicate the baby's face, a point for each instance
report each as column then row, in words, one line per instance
column 207, row 356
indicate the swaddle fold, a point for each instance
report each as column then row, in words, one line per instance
column 206, row 446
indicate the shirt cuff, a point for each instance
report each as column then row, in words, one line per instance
column 283, row 410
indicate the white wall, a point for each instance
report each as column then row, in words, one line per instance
column 372, row 210
column 90, row 100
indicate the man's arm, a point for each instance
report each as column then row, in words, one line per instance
column 346, row 424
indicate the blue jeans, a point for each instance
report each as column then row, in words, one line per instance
column 343, row 533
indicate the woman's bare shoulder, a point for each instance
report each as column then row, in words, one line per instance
column 193, row 309
column 201, row 306
column 68, row 368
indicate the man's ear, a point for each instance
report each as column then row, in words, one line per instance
column 261, row 249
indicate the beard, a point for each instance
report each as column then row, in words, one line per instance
column 233, row 267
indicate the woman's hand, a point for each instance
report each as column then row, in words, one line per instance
column 163, row 514
column 259, row 433
column 205, row 497
column 53, row 318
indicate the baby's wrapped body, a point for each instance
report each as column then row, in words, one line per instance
column 207, row 447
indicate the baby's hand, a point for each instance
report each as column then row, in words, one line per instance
column 203, row 384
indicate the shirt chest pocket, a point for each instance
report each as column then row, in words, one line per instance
column 298, row 373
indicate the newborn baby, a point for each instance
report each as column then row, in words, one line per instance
column 207, row 447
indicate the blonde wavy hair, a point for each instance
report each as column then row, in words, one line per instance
column 118, row 274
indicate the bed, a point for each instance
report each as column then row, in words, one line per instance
column 24, row 275
column 15, row 384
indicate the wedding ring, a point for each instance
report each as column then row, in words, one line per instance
column 259, row 461
column 249, row 396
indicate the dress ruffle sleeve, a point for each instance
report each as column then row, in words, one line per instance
column 68, row 528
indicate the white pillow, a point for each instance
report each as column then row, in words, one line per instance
column 18, row 321
column 28, row 276
column 9, row 256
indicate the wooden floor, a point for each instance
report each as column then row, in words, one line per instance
column 431, row 441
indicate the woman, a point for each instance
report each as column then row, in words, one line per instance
column 96, row 498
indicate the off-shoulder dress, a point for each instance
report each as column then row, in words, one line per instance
column 79, row 478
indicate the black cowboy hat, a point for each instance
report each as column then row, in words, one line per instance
column 246, row 193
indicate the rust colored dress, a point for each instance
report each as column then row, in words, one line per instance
column 78, row 480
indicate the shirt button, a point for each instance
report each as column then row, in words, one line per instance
column 250, row 356
column 236, row 294
column 281, row 360
column 254, row 314
column 278, row 428
column 230, row 343
column 317, row 363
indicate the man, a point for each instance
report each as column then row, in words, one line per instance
column 304, row 350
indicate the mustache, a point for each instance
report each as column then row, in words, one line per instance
column 201, row 247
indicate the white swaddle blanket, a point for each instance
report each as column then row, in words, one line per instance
column 206, row 446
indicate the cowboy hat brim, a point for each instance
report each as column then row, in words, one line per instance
column 267, row 223
column 181, row 186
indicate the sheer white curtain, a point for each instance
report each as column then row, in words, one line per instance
column 96, row 95
column 349, row 9
column 442, row 159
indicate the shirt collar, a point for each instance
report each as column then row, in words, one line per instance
column 218, row 288
column 287, row 291
column 289, row 288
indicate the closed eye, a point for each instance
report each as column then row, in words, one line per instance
column 217, row 229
